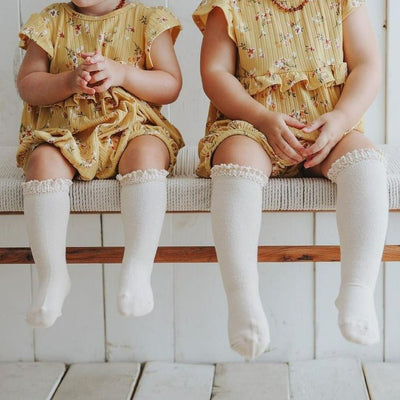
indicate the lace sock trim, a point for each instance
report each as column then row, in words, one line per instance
column 46, row 186
column 352, row 158
column 142, row 176
column 240, row 171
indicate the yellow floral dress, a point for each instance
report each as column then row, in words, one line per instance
column 92, row 131
column 291, row 62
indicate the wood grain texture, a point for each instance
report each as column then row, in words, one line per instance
column 173, row 381
column 192, row 254
column 29, row 381
column 255, row 381
column 99, row 381
column 329, row 379
column 383, row 380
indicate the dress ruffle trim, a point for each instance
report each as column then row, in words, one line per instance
column 240, row 171
column 46, row 186
column 352, row 158
column 142, row 176
column 322, row 76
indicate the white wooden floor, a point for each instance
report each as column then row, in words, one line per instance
column 327, row 379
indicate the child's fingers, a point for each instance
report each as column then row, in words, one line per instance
column 293, row 122
column 294, row 144
column 287, row 153
column 96, row 58
column 85, row 76
column 316, row 147
column 98, row 77
column 317, row 158
column 84, row 88
column 87, row 54
column 314, row 125
column 103, row 87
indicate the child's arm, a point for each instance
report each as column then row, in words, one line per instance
column 160, row 85
column 39, row 87
column 218, row 62
column 363, row 59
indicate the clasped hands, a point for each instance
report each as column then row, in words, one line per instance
column 331, row 127
column 95, row 74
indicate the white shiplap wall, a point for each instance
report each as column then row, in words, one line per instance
column 189, row 320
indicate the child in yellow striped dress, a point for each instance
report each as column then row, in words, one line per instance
column 93, row 79
column 289, row 82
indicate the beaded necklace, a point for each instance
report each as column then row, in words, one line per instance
column 287, row 9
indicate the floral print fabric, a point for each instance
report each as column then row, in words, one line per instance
column 291, row 62
column 92, row 131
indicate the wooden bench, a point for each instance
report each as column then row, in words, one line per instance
column 187, row 194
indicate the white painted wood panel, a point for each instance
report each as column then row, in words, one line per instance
column 149, row 337
column 167, row 381
column 16, row 336
column 189, row 112
column 329, row 341
column 10, row 105
column 33, row 381
column 375, row 116
column 330, row 379
column 78, row 335
column 393, row 76
column 286, row 291
column 392, row 295
column 255, row 381
column 95, row 381
column 383, row 380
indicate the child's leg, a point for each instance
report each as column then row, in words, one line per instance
column 143, row 205
column 362, row 213
column 236, row 206
column 46, row 209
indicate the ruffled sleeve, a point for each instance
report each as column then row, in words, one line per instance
column 37, row 29
column 349, row 6
column 158, row 21
column 206, row 6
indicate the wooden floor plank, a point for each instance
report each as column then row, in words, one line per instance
column 329, row 379
column 383, row 380
column 33, row 381
column 173, row 381
column 255, row 381
column 99, row 381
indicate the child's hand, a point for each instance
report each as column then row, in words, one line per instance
column 78, row 81
column 104, row 72
column 332, row 127
column 275, row 125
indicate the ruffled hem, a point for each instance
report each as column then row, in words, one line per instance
column 142, row 176
column 322, row 76
column 46, row 186
column 240, row 171
column 352, row 158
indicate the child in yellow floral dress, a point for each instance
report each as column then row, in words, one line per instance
column 289, row 82
column 93, row 78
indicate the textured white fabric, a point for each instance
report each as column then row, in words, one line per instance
column 143, row 205
column 236, row 219
column 362, row 216
column 46, row 214
column 185, row 192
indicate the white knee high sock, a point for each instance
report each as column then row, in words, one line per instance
column 236, row 218
column 143, row 206
column 362, row 215
column 46, row 208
